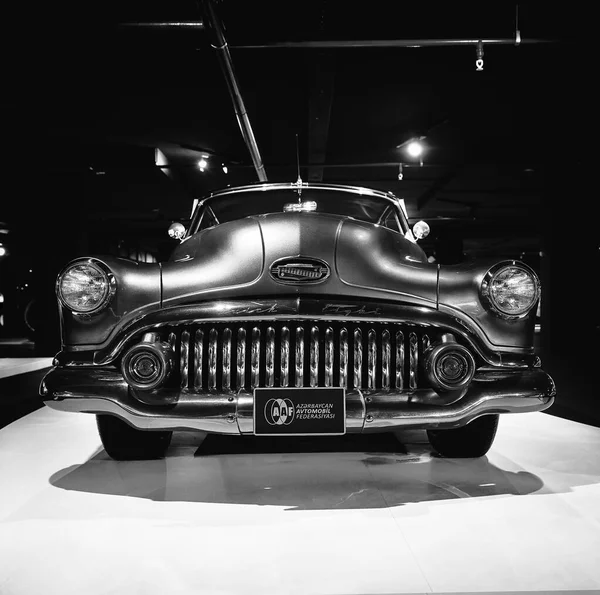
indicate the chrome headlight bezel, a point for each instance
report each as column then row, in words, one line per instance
column 487, row 295
column 103, row 270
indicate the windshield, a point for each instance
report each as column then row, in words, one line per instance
column 237, row 205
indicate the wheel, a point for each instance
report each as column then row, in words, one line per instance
column 470, row 441
column 125, row 443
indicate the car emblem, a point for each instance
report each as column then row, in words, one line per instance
column 299, row 271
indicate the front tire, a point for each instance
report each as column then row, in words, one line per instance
column 122, row 442
column 470, row 441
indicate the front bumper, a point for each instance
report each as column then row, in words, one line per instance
column 104, row 391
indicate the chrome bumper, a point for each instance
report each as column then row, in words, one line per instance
column 103, row 391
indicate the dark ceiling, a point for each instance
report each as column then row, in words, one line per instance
column 90, row 99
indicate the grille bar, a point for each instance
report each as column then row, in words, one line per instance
column 255, row 361
column 184, row 359
column 372, row 360
column 344, row 358
column 212, row 359
column 329, row 357
column 414, row 361
column 285, row 357
column 198, row 363
column 400, row 360
column 314, row 356
column 227, row 359
column 386, row 359
column 299, row 357
column 270, row 357
column 243, row 356
column 358, row 353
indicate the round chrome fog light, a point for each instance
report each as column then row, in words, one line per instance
column 147, row 365
column 449, row 367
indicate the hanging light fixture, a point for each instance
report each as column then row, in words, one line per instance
column 203, row 163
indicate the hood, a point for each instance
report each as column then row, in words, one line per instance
column 234, row 260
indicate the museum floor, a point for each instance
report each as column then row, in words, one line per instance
column 356, row 514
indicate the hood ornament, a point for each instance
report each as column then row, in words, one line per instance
column 300, row 271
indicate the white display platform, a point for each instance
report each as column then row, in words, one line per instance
column 11, row 366
column 72, row 521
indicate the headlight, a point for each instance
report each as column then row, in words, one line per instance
column 510, row 289
column 85, row 286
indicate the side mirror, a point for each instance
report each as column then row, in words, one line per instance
column 176, row 231
column 420, row 230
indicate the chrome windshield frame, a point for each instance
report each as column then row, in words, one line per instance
column 356, row 190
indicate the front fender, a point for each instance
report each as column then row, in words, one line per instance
column 459, row 295
column 138, row 291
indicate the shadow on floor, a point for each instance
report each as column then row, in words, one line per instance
column 351, row 472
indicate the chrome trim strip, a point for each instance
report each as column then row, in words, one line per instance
column 358, row 353
column 299, row 357
column 241, row 359
column 212, row 359
column 255, row 358
column 314, row 356
column 270, row 357
column 308, row 309
column 226, row 359
column 305, row 185
column 94, row 390
column 285, row 357
column 413, row 354
column 344, row 358
column 198, row 352
column 386, row 359
column 184, row 359
column 329, row 356
column 371, row 359
column 172, row 340
column 399, row 360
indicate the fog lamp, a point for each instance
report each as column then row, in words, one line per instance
column 148, row 364
column 449, row 366
column 145, row 367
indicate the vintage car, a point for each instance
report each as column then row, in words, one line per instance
column 293, row 310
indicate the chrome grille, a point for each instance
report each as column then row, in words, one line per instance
column 242, row 356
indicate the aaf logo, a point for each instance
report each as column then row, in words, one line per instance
column 279, row 412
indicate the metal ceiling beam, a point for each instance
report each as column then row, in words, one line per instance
column 167, row 25
column 392, row 43
column 310, row 164
column 319, row 114
column 219, row 43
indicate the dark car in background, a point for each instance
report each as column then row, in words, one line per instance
column 297, row 310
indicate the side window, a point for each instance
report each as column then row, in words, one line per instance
column 391, row 221
column 207, row 220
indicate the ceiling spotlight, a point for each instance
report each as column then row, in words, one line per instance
column 225, row 170
column 415, row 148
column 2, row 251
column 202, row 164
